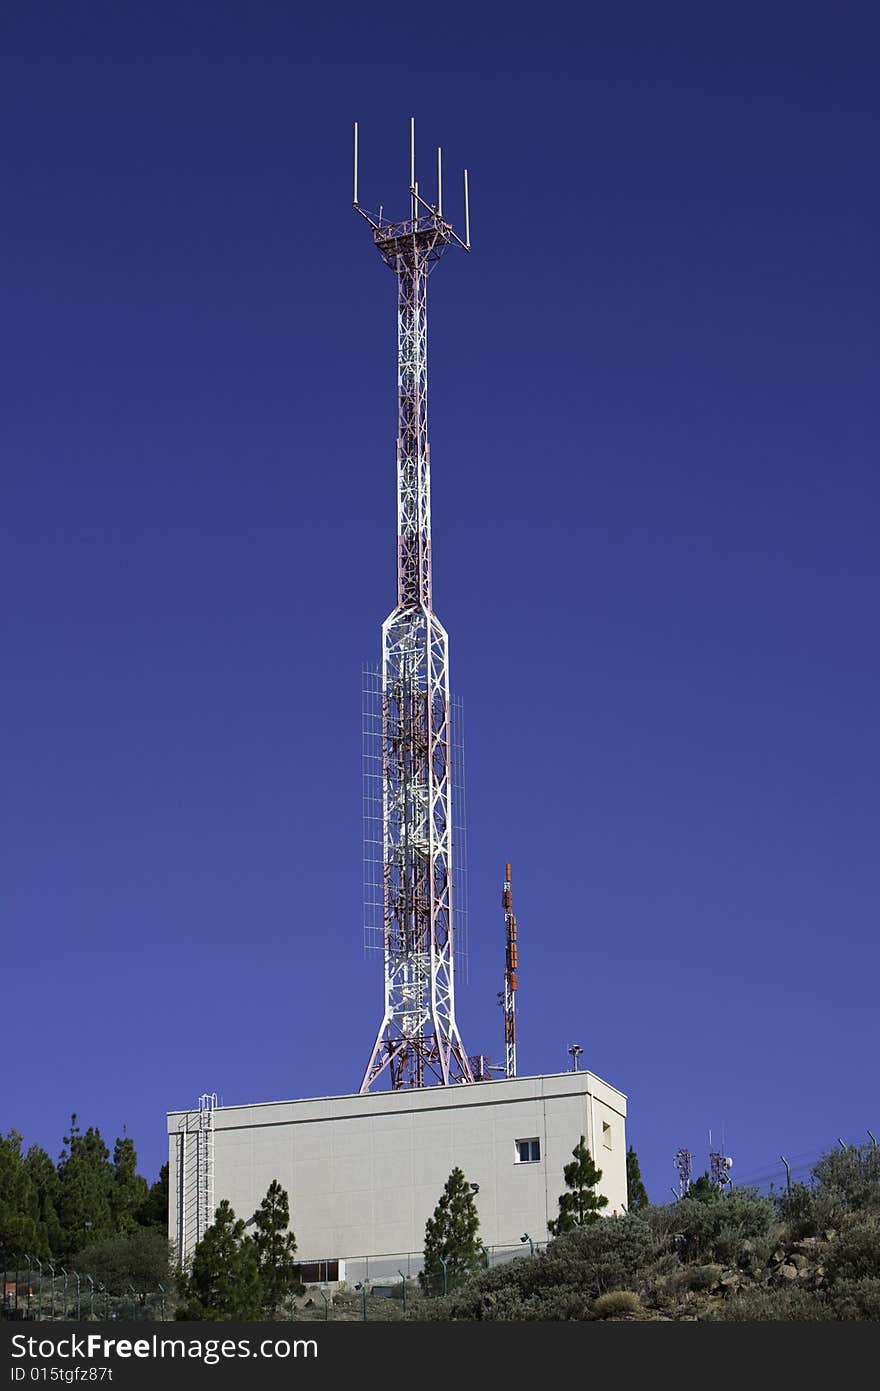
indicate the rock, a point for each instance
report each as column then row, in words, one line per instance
column 788, row 1272
column 798, row 1261
column 778, row 1257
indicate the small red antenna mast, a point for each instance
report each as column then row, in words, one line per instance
column 510, row 978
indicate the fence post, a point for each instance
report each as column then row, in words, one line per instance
column 787, row 1173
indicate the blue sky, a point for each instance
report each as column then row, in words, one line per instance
column 654, row 442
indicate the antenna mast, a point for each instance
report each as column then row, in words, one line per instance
column 682, row 1162
column 720, row 1165
column 417, row 1043
column 510, row 978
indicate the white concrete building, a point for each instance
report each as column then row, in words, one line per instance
column 364, row 1173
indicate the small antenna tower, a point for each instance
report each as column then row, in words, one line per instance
column 510, row 978
column 682, row 1162
column 720, row 1165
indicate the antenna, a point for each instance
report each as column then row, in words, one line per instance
column 424, row 217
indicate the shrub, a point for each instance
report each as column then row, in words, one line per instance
column 809, row 1210
column 854, row 1254
column 702, row 1277
column 772, row 1306
column 720, row 1230
column 856, row 1299
column 140, row 1258
column 616, row 1303
column 852, row 1176
column 563, row 1280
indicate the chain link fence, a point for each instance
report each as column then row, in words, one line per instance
column 36, row 1290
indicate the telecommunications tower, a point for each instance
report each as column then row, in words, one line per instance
column 511, row 967
column 682, row 1162
column 417, row 1043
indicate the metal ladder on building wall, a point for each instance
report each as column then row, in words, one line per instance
column 205, row 1164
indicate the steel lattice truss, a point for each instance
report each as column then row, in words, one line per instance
column 511, row 970
column 417, row 1043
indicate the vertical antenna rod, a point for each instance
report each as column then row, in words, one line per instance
column 510, row 977
column 418, row 1043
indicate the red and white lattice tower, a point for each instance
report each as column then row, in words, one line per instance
column 511, row 969
column 417, row 1043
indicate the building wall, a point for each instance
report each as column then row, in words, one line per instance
column 364, row 1173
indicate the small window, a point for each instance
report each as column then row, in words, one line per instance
column 528, row 1151
column 606, row 1135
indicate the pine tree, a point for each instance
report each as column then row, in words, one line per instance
column 223, row 1281
column 636, row 1193
column 452, row 1235
column 153, row 1211
column 19, row 1205
column 703, row 1190
column 276, row 1249
column 129, row 1189
column 581, row 1204
column 86, row 1184
column 47, row 1187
